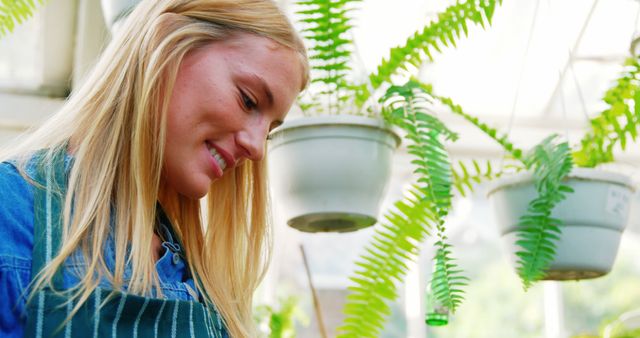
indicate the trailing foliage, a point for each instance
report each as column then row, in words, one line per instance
column 465, row 176
column 503, row 140
column 615, row 124
column 410, row 220
column 327, row 26
column 537, row 230
column 443, row 32
column 15, row 12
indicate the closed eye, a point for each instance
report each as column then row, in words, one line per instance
column 247, row 101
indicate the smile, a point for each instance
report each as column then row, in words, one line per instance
column 221, row 162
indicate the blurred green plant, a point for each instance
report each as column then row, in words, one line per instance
column 627, row 325
column 15, row 12
column 615, row 125
column 281, row 322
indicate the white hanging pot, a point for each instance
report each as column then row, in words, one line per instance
column 330, row 173
column 115, row 11
column 594, row 217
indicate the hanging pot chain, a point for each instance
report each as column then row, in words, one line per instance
column 534, row 20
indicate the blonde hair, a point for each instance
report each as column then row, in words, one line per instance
column 116, row 125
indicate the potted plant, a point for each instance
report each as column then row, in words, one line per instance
column 584, row 228
column 329, row 170
column 408, row 106
column 565, row 220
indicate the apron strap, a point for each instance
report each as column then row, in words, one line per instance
column 48, row 202
column 203, row 296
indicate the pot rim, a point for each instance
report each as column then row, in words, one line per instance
column 339, row 120
column 589, row 174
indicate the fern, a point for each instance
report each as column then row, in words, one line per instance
column 14, row 12
column 443, row 32
column 465, row 176
column 409, row 222
column 615, row 124
column 493, row 133
column 327, row 24
column 447, row 281
column 537, row 231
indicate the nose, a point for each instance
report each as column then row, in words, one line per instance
column 252, row 141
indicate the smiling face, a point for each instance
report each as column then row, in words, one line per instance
column 227, row 96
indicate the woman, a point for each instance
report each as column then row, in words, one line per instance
column 104, row 197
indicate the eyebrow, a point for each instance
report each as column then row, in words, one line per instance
column 265, row 88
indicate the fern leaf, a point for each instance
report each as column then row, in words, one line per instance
column 327, row 23
column 537, row 231
column 15, row 12
column 614, row 124
column 440, row 31
column 465, row 177
column 489, row 131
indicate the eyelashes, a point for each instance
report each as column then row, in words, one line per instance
column 247, row 101
column 250, row 104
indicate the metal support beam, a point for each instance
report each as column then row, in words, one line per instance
column 563, row 74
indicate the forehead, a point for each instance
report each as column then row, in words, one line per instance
column 238, row 59
column 249, row 56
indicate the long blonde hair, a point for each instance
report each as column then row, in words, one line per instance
column 115, row 123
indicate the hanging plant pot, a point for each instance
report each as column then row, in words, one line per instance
column 330, row 173
column 594, row 217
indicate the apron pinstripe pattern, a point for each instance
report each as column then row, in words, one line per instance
column 106, row 313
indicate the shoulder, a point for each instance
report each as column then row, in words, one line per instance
column 16, row 243
column 16, row 212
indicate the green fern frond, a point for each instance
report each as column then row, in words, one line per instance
column 383, row 264
column 616, row 124
column 537, row 231
column 493, row 133
column 408, row 108
column 465, row 176
column 15, row 12
column 446, row 284
column 443, row 32
column 327, row 24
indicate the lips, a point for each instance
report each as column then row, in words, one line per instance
column 222, row 158
column 221, row 162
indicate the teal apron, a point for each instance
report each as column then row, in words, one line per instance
column 122, row 314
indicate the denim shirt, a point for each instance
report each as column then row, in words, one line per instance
column 16, row 245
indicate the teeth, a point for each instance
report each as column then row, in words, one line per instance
column 219, row 159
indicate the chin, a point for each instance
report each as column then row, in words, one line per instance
column 196, row 191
